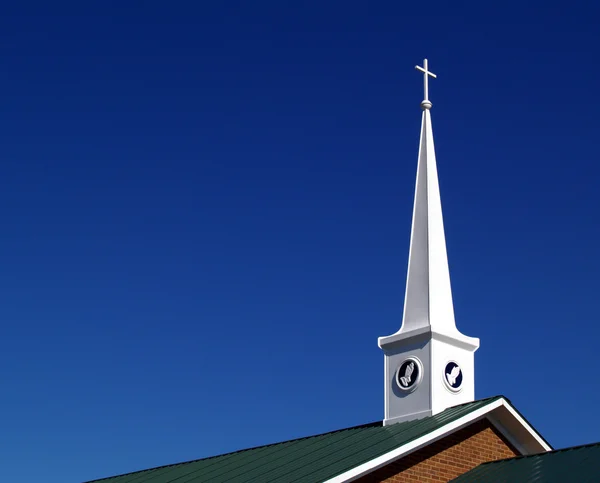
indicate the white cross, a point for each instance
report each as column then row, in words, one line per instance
column 426, row 75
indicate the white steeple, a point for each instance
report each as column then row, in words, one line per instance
column 429, row 364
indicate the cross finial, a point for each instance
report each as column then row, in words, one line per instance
column 426, row 74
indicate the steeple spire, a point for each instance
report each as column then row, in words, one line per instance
column 428, row 324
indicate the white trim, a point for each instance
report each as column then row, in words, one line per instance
column 502, row 424
column 386, row 385
column 526, row 425
column 433, row 436
column 504, row 431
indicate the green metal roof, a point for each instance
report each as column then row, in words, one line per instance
column 311, row 459
column 579, row 464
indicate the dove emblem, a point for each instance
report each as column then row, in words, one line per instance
column 406, row 378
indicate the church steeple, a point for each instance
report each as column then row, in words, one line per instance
column 429, row 364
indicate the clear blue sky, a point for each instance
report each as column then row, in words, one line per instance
column 205, row 216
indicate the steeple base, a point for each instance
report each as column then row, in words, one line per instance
column 408, row 417
column 426, row 374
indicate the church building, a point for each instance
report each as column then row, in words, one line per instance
column 433, row 429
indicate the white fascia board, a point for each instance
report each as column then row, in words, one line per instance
column 518, row 431
column 444, row 431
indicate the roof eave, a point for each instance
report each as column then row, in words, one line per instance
column 499, row 412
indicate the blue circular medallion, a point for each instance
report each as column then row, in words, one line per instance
column 409, row 374
column 453, row 376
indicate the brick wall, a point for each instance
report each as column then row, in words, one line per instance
column 447, row 458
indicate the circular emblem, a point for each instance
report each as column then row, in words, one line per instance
column 409, row 374
column 453, row 376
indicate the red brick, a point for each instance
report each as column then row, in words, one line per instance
column 447, row 458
